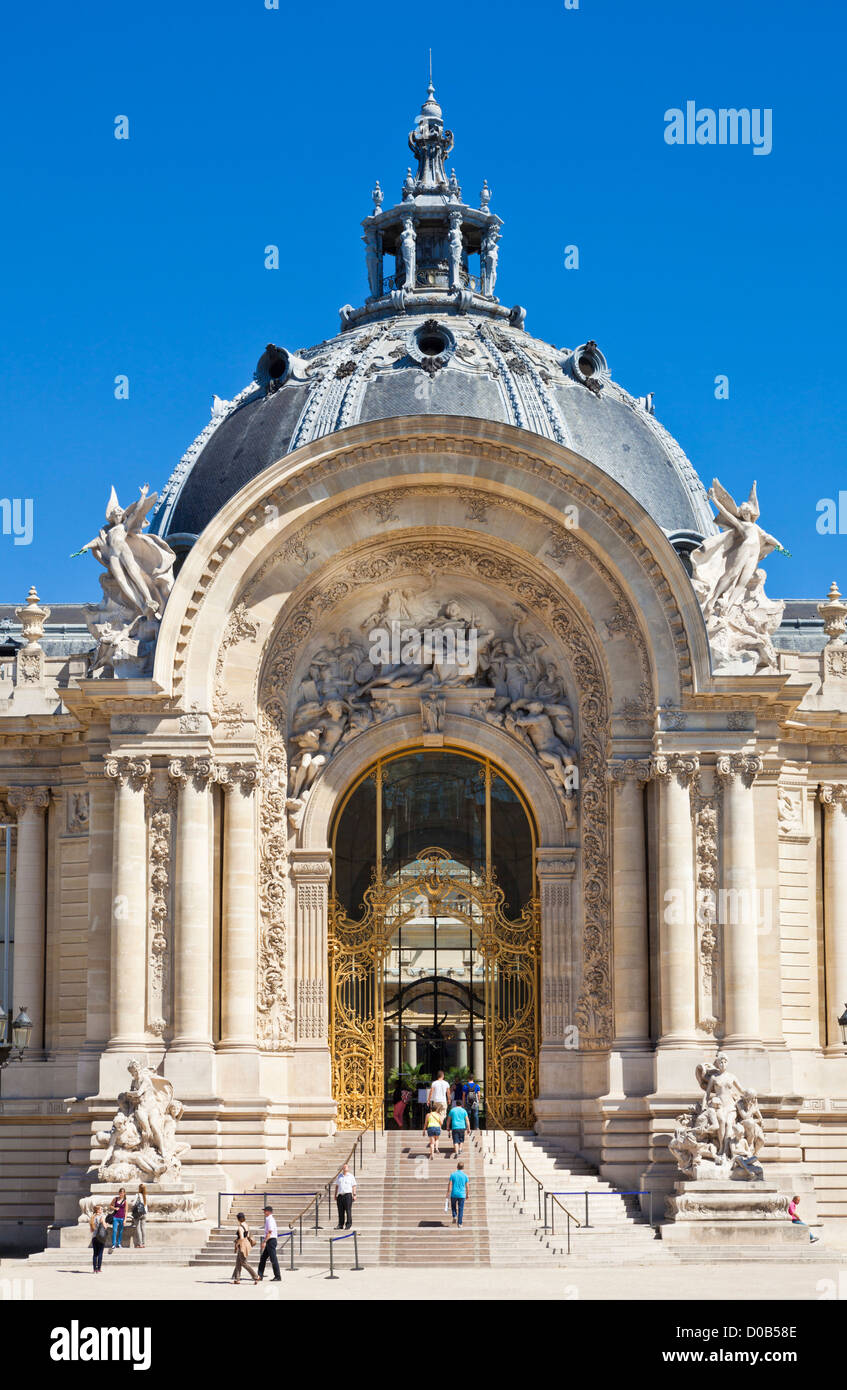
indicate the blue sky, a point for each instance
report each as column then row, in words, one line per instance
column 251, row 126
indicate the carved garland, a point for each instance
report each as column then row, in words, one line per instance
column 706, row 809
column 437, row 445
column 160, row 821
column 593, row 1011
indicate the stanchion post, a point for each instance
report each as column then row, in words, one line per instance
column 356, row 1251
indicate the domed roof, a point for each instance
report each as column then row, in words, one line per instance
column 432, row 338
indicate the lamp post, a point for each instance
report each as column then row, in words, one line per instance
column 21, row 1034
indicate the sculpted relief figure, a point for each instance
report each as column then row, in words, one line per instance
column 725, row 1132
column 431, row 649
column 138, row 581
column 142, row 1140
column 729, row 585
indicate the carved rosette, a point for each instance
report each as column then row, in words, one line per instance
column 274, row 1011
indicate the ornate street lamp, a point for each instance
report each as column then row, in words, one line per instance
column 842, row 1023
column 21, row 1034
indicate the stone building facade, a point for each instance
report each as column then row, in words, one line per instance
column 171, row 777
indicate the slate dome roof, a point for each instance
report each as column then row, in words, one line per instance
column 432, row 338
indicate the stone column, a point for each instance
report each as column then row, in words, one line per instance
column 193, row 901
column 410, row 1050
column 834, row 800
column 676, row 906
column 312, row 1105
column 311, row 870
column 555, row 868
column 28, row 992
column 478, row 1055
column 462, row 1048
column 101, row 819
column 240, row 942
column 631, row 967
column 128, row 965
column 738, row 907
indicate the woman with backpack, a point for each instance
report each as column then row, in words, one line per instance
column 139, row 1216
column 99, row 1237
column 244, row 1243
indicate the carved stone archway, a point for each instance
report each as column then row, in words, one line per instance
column 587, row 863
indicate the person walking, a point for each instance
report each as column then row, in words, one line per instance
column 244, row 1243
column 457, row 1190
column 139, row 1216
column 400, row 1099
column 437, row 1095
column 269, row 1240
column 345, row 1196
column 117, row 1209
column 99, row 1237
column 432, row 1131
column 795, row 1219
column 458, row 1091
column 471, row 1099
column 459, row 1121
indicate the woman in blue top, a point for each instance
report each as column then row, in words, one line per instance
column 457, row 1191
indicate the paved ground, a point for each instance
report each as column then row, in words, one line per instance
column 695, row 1282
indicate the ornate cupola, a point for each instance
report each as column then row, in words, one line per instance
column 431, row 250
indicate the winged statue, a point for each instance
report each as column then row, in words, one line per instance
column 141, row 565
column 729, row 585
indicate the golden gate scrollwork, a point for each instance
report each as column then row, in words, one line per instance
column 357, row 952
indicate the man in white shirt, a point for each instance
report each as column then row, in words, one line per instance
column 269, row 1240
column 437, row 1098
column 345, row 1196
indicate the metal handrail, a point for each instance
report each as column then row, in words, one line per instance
column 327, row 1187
column 490, row 1110
column 589, row 1192
column 265, row 1195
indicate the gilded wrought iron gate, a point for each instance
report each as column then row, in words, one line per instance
column 357, row 952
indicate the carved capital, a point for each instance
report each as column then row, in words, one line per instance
column 683, row 767
column 629, row 770
column 834, row 794
column 133, row 772
column 743, row 765
column 241, row 777
column 200, row 772
column 22, row 799
column 311, row 871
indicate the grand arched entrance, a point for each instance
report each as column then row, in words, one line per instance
column 434, row 934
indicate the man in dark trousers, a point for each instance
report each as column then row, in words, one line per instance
column 345, row 1196
column 269, row 1240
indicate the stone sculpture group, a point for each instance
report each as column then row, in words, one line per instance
column 135, row 588
column 141, row 1143
column 724, row 1132
column 730, row 586
column 518, row 689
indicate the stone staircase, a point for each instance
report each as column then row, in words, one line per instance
column 306, row 1172
column 616, row 1232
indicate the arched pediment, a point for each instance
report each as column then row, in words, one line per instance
column 370, row 481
